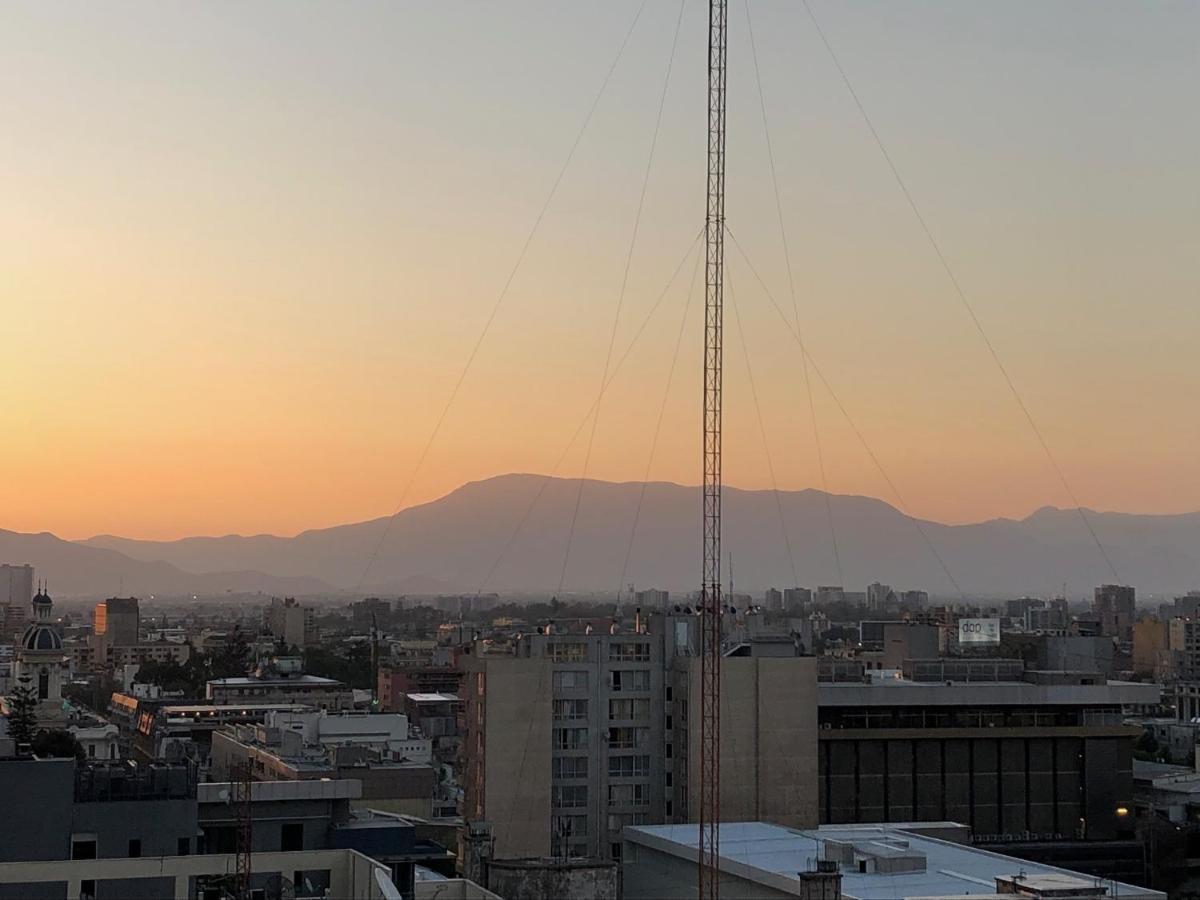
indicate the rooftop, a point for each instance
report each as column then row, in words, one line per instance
column 433, row 698
column 287, row 680
column 773, row 856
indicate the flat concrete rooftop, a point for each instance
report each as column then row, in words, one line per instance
column 772, row 856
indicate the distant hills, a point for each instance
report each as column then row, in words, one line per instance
column 75, row 569
column 455, row 543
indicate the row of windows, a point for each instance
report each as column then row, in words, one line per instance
column 628, row 766
column 635, row 708
column 570, row 738
column 621, row 680
column 629, row 709
column 570, row 709
column 629, row 794
column 569, row 796
column 575, row 796
column 570, row 767
column 619, row 651
column 628, row 738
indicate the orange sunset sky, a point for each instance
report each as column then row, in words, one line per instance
column 244, row 254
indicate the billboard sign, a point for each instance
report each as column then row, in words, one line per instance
column 979, row 631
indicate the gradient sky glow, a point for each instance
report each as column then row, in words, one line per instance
column 245, row 251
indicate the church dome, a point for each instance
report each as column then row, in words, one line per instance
column 41, row 633
column 41, row 637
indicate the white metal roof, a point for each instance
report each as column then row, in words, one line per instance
column 772, row 855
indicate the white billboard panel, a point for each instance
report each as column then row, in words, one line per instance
column 979, row 631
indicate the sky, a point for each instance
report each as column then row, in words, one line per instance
column 246, row 251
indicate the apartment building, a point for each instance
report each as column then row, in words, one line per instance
column 571, row 737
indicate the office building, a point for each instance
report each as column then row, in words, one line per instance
column 773, row 600
column 573, row 737
column 917, row 862
column 289, row 622
column 117, row 621
column 16, row 594
column 1113, row 607
column 1015, row 755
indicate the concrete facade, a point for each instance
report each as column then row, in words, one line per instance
column 768, row 740
column 593, row 735
column 507, row 742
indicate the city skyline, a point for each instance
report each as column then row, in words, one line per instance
column 243, row 276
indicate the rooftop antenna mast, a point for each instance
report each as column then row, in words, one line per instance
column 710, row 592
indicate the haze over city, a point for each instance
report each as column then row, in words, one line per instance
column 246, row 257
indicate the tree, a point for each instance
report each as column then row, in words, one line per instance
column 22, row 711
column 58, row 744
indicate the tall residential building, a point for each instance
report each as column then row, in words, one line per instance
column 1188, row 605
column 829, row 593
column 773, row 600
column 117, row 621
column 572, row 737
column 1113, row 606
column 878, row 596
column 292, row 623
column 797, row 599
column 16, row 594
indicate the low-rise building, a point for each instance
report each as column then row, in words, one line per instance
column 281, row 680
column 390, row 781
column 864, row 862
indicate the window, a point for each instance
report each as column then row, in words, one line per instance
column 570, row 681
column 629, row 709
column 627, row 738
column 569, row 796
column 83, row 847
column 570, row 709
column 183, row 847
column 291, row 836
column 135, row 848
column 629, row 794
column 92, row 751
column 631, row 680
column 628, row 766
column 616, row 850
column 566, row 827
column 479, row 684
column 568, row 652
column 629, row 651
column 569, row 767
column 570, row 738
column 670, row 723
column 43, row 685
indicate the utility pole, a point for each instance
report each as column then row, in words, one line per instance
column 710, row 591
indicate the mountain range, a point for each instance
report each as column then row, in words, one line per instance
column 509, row 533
